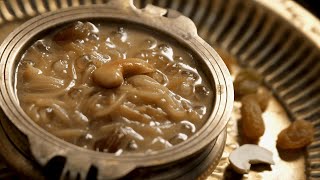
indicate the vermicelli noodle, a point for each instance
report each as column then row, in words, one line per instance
column 157, row 96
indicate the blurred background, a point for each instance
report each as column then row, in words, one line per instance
column 312, row 5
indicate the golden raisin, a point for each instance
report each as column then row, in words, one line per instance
column 263, row 98
column 226, row 57
column 251, row 122
column 78, row 30
column 299, row 134
column 112, row 142
column 246, row 82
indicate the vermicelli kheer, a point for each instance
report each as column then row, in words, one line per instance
column 113, row 88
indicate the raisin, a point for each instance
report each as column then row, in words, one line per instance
column 226, row 57
column 251, row 122
column 74, row 32
column 263, row 98
column 111, row 143
column 298, row 135
column 246, row 82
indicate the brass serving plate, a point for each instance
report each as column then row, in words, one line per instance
column 278, row 38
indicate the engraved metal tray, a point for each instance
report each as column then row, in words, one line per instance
column 278, row 38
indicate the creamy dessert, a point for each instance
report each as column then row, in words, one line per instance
column 114, row 88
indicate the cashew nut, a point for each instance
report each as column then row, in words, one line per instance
column 111, row 74
column 242, row 158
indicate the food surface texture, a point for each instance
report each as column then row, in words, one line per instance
column 114, row 88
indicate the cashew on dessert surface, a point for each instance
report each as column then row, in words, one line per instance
column 111, row 74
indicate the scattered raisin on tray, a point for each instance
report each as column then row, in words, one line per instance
column 263, row 98
column 251, row 118
column 246, row 82
column 227, row 58
column 298, row 135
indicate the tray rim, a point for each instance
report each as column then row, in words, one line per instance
column 303, row 20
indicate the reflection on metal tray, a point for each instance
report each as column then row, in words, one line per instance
column 276, row 37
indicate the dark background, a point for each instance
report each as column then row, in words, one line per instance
column 312, row 5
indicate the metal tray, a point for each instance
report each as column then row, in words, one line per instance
column 278, row 38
